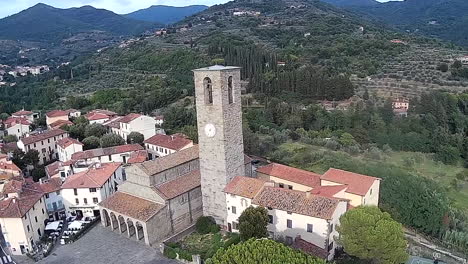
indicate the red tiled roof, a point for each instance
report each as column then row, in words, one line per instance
column 22, row 113
column 132, row 206
column 91, row 178
column 56, row 113
column 42, row 136
column 114, row 123
column 28, row 194
column 310, row 248
column 60, row 123
column 357, row 183
column 328, row 191
column 96, row 116
column 18, row 207
column 92, row 153
column 180, row 185
column 101, row 111
column 9, row 166
column 296, row 202
column 288, row 173
column 52, row 185
column 65, row 142
column 138, row 157
column 129, row 118
column 244, row 186
column 11, row 121
column 53, row 168
column 174, row 142
column 158, row 165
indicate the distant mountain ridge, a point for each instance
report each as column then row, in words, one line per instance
column 344, row 3
column 165, row 14
column 46, row 23
column 445, row 19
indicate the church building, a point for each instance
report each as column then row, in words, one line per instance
column 165, row 196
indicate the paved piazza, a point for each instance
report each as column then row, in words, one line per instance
column 100, row 245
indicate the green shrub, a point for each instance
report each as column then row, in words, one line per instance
column 214, row 229
column 170, row 253
column 204, row 224
column 173, row 244
column 233, row 240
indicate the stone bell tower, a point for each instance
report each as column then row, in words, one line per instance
column 219, row 117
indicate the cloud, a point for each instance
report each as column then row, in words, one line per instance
column 9, row 7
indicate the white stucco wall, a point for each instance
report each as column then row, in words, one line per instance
column 372, row 196
column 15, row 230
column 44, row 147
column 54, row 201
column 18, row 130
column 144, row 124
column 106, row 190
column 66, row 153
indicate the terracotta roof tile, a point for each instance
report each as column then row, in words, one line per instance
column 11, row 121
column 65, row 142
column 96, row 116
column 22, row 113
column 129, row 118
column 114, row 122
column 28, row 194
column 309, row 248
column 101, row 111
column 174, row 142
column 153, row 167
column 328, row 191
column 60, row 123
column 180, row 185
column 297, row 202
column 9, row 166
column 357, row 183
column 288, row 173
column 91, row 178
column 132, row 206
column 52, row 185
column 244, row 186
column 56, row 113
column 42, row 136
column 92, row 153
column 138, row 157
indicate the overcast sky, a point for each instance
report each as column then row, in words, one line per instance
column 9, row 7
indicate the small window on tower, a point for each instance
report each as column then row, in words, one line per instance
column 230, row 95
column 208, row 90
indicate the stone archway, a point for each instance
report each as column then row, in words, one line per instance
column 105, row 217
column 114, row 222
column 140, row 231
column 122, row 224
column 131, row 228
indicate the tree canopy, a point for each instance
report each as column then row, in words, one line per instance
column 253, row 223
column 111, row 140
column 261, row 251
column 368, row 233
column 135, row 138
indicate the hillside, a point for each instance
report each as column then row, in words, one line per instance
column 46, row 23
column 344, row 3
column 445, row 19
column 165, row 14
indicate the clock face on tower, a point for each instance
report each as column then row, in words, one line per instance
column 210, row 130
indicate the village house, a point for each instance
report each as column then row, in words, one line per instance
column 162, row 145
column 17, row 126
column 60, row 124
column 105, row 155
column 142, row 124
column 97, row 118
column 30, row 116
column 53, row 198
column 56, row 115
column 23, row 214
column 400, row 107
column 159, row 120
column 66, row 147
column 295, row 216
column 45, row 143
column 83, row 191
column 358, row 189
column 59, row 169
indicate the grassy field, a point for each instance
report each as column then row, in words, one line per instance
column 417, row 163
